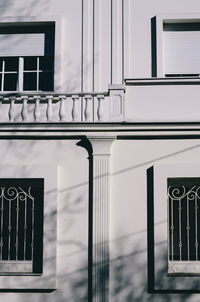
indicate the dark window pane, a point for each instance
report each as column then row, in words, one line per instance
column 30, row 81
column 46, row 81
column 30, row 63
column 11, row 64
column 5, row 231
column 1, row 63
column 13, row 229
column 10, row 82
column 0, row 80
column 46, row 63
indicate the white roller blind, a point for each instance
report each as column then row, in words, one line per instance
column 29, row 44
column 182, row 52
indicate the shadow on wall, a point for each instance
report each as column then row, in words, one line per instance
column 72, row 284
column 128, row 268
column 129, row 277
column 27, row 8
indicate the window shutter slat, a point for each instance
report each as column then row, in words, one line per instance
column 30, row 44
column 182, row 52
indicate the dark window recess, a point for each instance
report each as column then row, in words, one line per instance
column 30, row 81
column 11, row 64
column 1, row 64
column 30, row 63
column 10, row 81
column 46, row 63
column 21, row 225
column 45, row 81
column 184, row 219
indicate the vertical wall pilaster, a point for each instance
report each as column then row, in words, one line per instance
column 117, row 60
column 100, row 224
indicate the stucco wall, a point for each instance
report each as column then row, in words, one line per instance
column 94, row 53
column 128, row 212
column 72, row 212
column 128, row 215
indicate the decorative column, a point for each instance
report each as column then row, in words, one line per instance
column 100, row 218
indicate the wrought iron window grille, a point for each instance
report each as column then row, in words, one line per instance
column 21, row 226
column 183, row 226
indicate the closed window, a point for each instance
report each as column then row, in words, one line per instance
column 21, row 226
column 184, row 225
column 181, row 49
column 27, row 58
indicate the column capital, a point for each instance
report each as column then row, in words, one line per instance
column 101, row 144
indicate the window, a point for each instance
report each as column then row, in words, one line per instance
column 173, row 205
column 27, row 58
column 183, row 225
column 181, row 49
column 175, row 45
column 38, row 270
column 21, row 225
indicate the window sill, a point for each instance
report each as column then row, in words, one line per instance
column 163, row 81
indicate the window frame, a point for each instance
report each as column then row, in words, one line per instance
column 41, row 21
column 20, row 73
column 167, row 19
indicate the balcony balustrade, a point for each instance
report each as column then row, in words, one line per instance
column 66, row 107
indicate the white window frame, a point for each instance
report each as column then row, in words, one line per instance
column 169, row 18
column 36, row 20
column 20, row 75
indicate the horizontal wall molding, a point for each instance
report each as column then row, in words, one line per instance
column 162, row 81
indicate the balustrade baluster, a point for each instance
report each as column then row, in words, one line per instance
column 37, row 108
column 62, row 111
column 75, row 98
column 88, row 109
column 24, row 112
column 100, row 107
column 49, row 111
column 11, row 109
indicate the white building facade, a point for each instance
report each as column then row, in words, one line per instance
column 100, row 136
